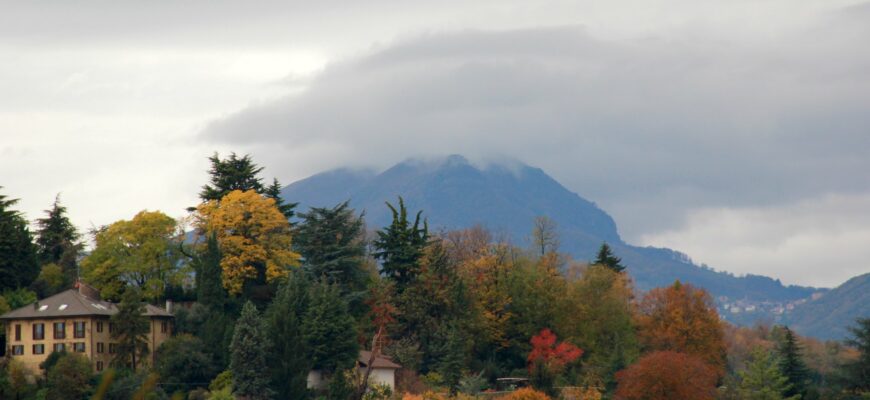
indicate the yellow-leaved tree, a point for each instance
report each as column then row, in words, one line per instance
column 253, row 235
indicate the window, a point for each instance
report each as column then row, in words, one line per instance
column 99, row 327
column 99, row 365
column 79, row 347
column 17, row 332
column 111, row 327
column 60, row 330
column 164, row 326
column 113, row 348
column 38, row 331
column 59, row 347
column 100, row 347
column 79, row 329
column 39, row 349
column 17, row 350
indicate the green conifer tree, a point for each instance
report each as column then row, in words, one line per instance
column 329, row 330
column 131, row 330
column 606, row 258
column 58, row 241
column 400, row 246
column 248, row 356
column 791, row 364
column 18, row 254
column 241, row 173
column 332, row 246
column 288, row 359
column 762, row 379
column 857, row 372
column 273, row 191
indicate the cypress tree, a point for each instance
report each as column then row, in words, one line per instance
column 331, row 243
column 210, row 291
column 400, row 246
column 18, row 254
column 57, row 241
column 329, row 330
column 248, row 356
column 131, row 330
column 791, row 364
column 606, row 258
column 288, row 360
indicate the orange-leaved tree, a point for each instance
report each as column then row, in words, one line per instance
column 682, row 318
column 666, row 375
column 253, row 235
column 547, row 359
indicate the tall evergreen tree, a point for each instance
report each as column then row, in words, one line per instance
column 792, row 365
column 131, row 330
column 58, row 241
column 762, row 379
column 18, row 254
column 857, row 372
column 288, row 360
column 329, row 330
column 248, row 356
column 606, row 258
column 241, row 173
column 210, row 290
column 400, row 246
column 332, row 246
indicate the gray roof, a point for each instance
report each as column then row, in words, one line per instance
column 380, row 361
column 71, row 303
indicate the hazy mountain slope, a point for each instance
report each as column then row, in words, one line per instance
column 828, row 316
column 506, row 198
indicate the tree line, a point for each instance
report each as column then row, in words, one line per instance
column 267, row 294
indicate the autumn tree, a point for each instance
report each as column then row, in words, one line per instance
column 762, row 379
column 545, row 237
column 254, row 239
column 682, row 318
column 547, row 359
column 400, row 245
column 606, row 258
column 331, row 243
column 131, row 330
column 141, row 253
column 18, row 254
column 597, row 313
column 242, row 174
column 667, row 375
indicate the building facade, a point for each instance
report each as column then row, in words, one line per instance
column 74, row 321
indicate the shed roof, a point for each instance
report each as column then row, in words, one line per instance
column 380, row 361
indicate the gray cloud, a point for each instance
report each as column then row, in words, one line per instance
column 648, row 127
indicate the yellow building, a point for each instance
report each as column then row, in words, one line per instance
column 76, row 321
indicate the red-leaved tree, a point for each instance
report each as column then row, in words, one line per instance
column 665, row 375
column 547, row 359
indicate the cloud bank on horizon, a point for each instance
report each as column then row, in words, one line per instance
column 736, row 132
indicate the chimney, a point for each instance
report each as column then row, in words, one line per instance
column 169, row 306
column 87, row 290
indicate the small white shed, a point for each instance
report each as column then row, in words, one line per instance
column 383, row 371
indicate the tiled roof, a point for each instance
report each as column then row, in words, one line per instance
column 71, row 303
column 380, row 362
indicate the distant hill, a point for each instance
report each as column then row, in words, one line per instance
column 506, row 198
column 828, row 316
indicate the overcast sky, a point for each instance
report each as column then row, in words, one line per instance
column 736, row 131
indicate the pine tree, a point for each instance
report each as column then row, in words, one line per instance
column 288, row 359
column 329, row 330
column 791, row 364
column 233, row 173
column 400, row 246
column 273, row 191
column 606, row 258
column 58, row 241
column 18, row 254
column 857, row 372
column 331, row 243
column 248, row 356
column 131, row 330
column 762, row 379
column 210, row 291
